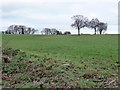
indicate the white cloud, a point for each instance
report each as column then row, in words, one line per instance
column 56, row 13
column 36, row 1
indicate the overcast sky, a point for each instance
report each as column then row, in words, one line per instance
column 57, row 13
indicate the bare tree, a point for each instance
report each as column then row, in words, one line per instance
column 28, row 30
column 16, row 29
column 34, row 30
column 47, row 31
column 51, row 31
column 79, row 22
column 20, row 29
column 10, row 29
column 54, row 31
column 102, row 27
column 67, row 33
column 94, row 24
column 3, row 32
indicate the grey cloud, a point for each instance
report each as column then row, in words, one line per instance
column 58, row 14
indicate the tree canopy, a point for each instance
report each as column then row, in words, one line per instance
column 79, row 22
column 20, row 29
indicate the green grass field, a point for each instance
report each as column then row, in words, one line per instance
column 94, row 57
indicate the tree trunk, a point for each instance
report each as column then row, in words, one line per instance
column 78, row 31
column 95, row 31
column 100, row 32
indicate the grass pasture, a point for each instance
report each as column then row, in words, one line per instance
column 86, row 61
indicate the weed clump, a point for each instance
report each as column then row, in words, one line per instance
column 30, row 71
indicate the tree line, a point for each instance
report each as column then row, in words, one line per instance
column 53, row 31
column 19, row 29
column 79, row 22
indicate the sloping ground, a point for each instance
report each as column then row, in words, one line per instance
column 20, row 69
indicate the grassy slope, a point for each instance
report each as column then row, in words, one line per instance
column 74, row 47
column 97, row 53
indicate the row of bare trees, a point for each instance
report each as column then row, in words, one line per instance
column 19, row 29
column 53, row 31
column 80, row 21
